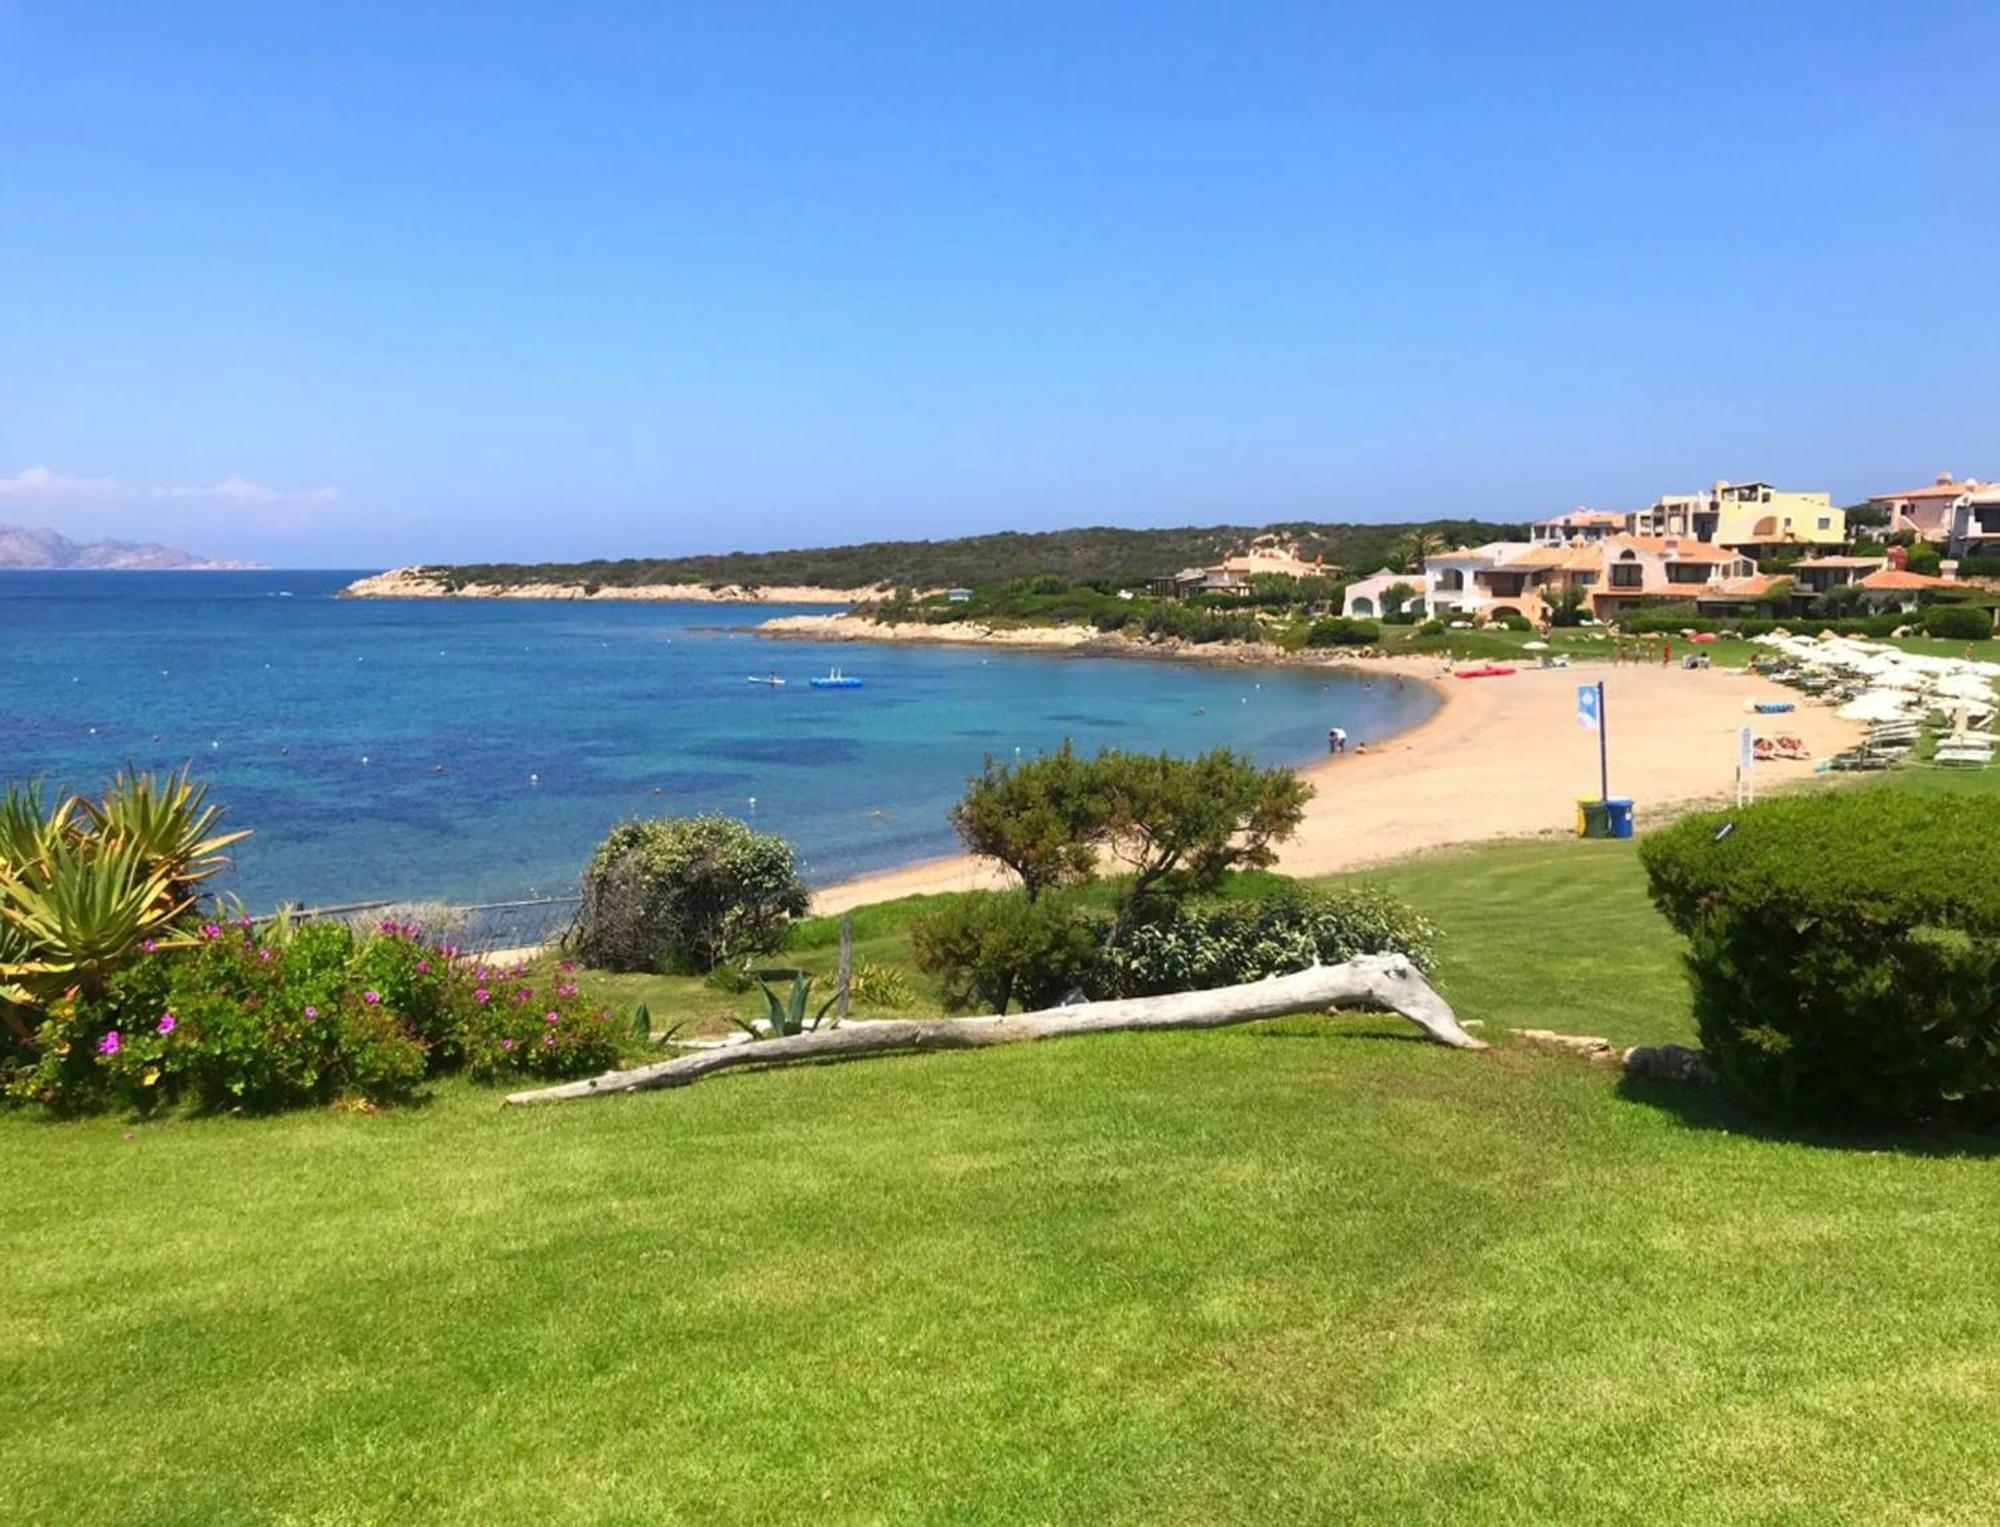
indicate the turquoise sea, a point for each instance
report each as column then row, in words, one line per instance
column 474, row 751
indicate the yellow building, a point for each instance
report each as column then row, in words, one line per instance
column 1746, row 515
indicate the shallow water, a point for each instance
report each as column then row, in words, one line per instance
column 476, row 750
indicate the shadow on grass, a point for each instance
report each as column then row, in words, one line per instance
column 1712, row 1106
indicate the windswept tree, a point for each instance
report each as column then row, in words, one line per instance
column 1181, row 824
column 1042, row 818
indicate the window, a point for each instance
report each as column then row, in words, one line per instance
column 1825, row 523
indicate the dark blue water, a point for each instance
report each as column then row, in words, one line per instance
column 476, row 750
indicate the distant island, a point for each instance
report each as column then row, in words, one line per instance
column 872, row 569
column 25, row 550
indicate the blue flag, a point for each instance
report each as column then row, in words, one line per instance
column 1586, row 707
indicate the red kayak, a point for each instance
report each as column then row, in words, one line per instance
column 1488, row 671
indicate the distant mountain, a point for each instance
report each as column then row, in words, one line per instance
column 22, row 549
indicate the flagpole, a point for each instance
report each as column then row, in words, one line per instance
column 1603, row 750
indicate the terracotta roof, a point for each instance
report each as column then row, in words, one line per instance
column 1569, row 559
column 1943, row 487
column 1684, row 549
column 1901, row 578
column 1586, row 517
column 1743, row 588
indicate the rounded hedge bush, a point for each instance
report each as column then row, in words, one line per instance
column 686, row 894
column 1958, row 622
column 1844, row 952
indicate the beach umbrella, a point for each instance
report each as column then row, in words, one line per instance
column 1879, row 705
column 1964, row 686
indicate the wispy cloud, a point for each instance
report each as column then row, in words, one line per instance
column 39, row 485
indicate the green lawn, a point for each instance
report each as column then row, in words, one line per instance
column 1311, row 1270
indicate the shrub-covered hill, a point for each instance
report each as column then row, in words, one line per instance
column 1099, row 552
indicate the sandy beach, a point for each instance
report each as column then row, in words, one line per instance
column 1501, row 758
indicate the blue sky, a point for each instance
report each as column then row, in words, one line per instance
column 359, row 284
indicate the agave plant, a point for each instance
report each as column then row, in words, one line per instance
column 85, row 884
column 171, row 824
column 787, row 1015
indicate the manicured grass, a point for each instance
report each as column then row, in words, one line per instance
column 1309, row 1270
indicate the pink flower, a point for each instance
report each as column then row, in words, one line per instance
column 210, row 930
column 482, row 996
column 568, row 990
column 263, row 956
column 168, row 1023
column 311, row 1011
column 423, row 967
column 243, row 921
column 149, row 945
column 506, row 1044
column 548, row 1041
column 567, row 966
column 108, row 1045
column 371, row 997
column 552, row 1017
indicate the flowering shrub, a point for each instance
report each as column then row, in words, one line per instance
column 522, row 1028
column 1194, row 949
column 300, row 1016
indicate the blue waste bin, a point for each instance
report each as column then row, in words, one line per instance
column 1619, row 809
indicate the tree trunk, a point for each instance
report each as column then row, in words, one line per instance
column 1376, row 981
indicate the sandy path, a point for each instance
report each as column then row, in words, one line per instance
column 1501, row 758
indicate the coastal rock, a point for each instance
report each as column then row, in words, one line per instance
column 426, row 583
column 1668, row 1063
column 1589, row 1046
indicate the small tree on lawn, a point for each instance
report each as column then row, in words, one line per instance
column 1041, row 818
column 1181, row 824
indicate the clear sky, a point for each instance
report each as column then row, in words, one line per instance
column 353, row 284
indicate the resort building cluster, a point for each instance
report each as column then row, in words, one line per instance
column 1708, row 549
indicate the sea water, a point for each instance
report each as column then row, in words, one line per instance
column 475, row 750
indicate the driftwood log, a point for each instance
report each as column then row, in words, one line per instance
column 1389, row 982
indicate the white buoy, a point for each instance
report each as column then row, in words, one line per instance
column 364, row 758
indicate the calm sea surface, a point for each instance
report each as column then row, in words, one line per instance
column 476, row 750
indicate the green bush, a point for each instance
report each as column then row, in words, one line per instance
column 229, row 1023
column 517, row 1028
column 1512, row 623
column 301, row 1016
column 686, row 894
column 993, row 948
column 1958, row 622
column 1200, row 947
column 1844, row 951
column 1342, row 631
column 1979, row 567
column 1431, row 628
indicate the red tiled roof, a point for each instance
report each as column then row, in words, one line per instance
column 1901, row 578
column 1944, row 487
column 1685, row 549
column 1842, row 562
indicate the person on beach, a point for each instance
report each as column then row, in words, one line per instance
column 1336, row 740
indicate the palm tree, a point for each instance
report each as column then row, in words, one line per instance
column 1416, row 548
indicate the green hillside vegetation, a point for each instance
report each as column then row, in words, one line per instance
column 1099, row 553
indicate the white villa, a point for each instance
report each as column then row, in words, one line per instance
column 1363, row 599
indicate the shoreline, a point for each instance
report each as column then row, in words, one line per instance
column 415, row 583
column 1499, row 759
